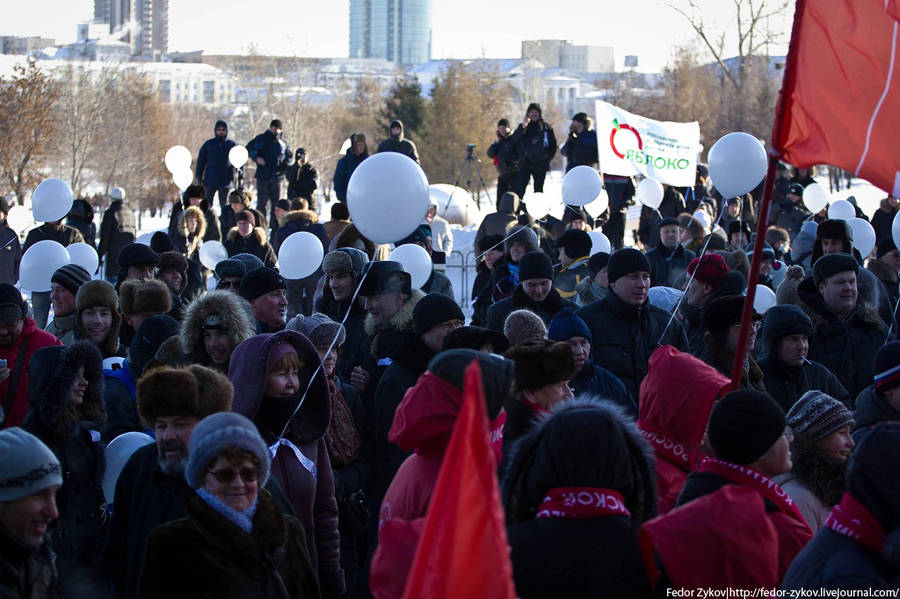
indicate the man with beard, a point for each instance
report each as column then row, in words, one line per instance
column 151, row 489
column 819, row 452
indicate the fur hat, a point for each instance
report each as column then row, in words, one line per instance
column 165, row 392
column 230, row 311
column 71, row 276
column 215, row 433
column 246, row 215
column 173, row 261
column 229, row 268
column 144, row 297
column 834, row 229
column 775, row 234
column 100, row 293
column 160, row 242
column 472, row 337
column 344, row 260
column 524, row 325
column 541, row 363
column 28, row 465
column 744, row 424
column 833, row 264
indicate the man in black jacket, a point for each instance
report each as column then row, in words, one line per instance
column 535, row 292
column 506, row 160
column 669, row 259
column 397, row 143
column 624, row 327
column 214, row 171
column 10, row 250
column 272, row 155
column 303, row 179
column 536, row 144
column 117, row 229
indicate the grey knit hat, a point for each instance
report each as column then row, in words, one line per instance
column 816, row 415
column 216, row 432
column 524, row 325
column 28, row 466
column 319, row 329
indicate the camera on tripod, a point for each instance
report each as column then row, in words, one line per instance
column 470, row 148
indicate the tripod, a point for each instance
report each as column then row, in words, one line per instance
column 470, row 163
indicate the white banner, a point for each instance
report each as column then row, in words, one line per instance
column 629, row 144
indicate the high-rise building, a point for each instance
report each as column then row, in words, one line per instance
column 142, row 23
column 394, row 30
column 563, row 54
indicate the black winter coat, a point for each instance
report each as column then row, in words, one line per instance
column 536, row 144
column 145, row 498
column 546, row 309
column 580, row 150
column 624, row 337
column 399, row 143
column 882, row 221
column 303, row 179
column 255, row 243
column 210, row 556
column 63, row 234
column 506, row 158
column 275, row 151
column 81, row 217
column 345, row 167
column 10, row 255
column 667, row 265
column 213, row 167
column 834, row 561
column 786, row 384
column 117, row 229
column 789, row 216
column 120, row 402
column 871, row 409
column 595, row 381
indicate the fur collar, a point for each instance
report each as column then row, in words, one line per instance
column 819, row 472
column 402, row 320
column 882, row 271
column 803, row 293
column 294, row 215
column 257, row 232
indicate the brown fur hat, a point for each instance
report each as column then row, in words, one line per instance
column 99, row 293
column 540, row 363
column 214, row 390
column 165, row 392
column 144, row 297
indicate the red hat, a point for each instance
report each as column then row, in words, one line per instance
column 710, row 269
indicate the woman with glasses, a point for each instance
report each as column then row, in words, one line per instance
column 723, row 324
column 234, row 542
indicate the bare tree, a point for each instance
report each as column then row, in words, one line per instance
column 26, row 125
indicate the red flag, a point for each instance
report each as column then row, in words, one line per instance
column 840, row 101
column 463, row 551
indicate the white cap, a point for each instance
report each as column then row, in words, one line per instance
column 117, row 193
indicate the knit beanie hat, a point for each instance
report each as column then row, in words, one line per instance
column 725, row 311
column 160, row 242
column 576, row 242
column 260, row 282
column 832, row 264
column 434, row 309
column 744, row 425
column 625, row 262
column 535, row 265
column 215, row 433
column 887, row 366
column 598, row 262
column 12, row 306
column 566, row 324
column 490, row 242
column 524, row 325
column 246, row 215
column 135, row 254
column 541, row 363
column 28, row 466
column 887, row 245
column 173, row 261
column 71, row 276
column 709, row 269
column 319, row 329
column 816, row 415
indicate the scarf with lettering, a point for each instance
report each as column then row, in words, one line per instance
column 852, row 519
column 671, row 450
column 582, row 502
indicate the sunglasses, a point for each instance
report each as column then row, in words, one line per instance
column 226, row 475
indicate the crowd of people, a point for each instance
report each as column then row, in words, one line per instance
column 171, row 430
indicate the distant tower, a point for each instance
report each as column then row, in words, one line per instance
column 395, row 30
column 148, row 34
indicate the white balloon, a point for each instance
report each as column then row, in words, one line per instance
column 701, row 217
column 39, row 263
column 650, row 193
column 895, row 230
column 665, row 298
column 415, row 261
column 387, row 197
column 841, row 210
column 211, row 283
column 737, row 164
column 537, row 204
column 460, row 209
column 815, row 197
column 764, row 299
column 345, row 146
column 238, row 156
column 117, row 454
column 599, row 243
column 863, row 236
column 19, row 219
column 178, row 158
column 51, row 201
column 144, row 238
column 581, row 186
column 300, row 255
column 183, row 178
column 599, row 205
column 84, row 256
column 211, row 253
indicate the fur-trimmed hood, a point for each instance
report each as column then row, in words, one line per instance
column 258, row 232
column 295, row 215
column 402, row 320
column 194, row 212
column 51, row 373
column 552, row 454
column 228, row 306
column 248, row 371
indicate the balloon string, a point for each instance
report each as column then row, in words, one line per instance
column 319, row 367
column 893, row 320
column 684, row 292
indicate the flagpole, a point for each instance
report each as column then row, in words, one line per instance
column 778, row 132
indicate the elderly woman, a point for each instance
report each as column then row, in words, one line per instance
column 234, row 542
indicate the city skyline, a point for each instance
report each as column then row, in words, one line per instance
column 649, row 29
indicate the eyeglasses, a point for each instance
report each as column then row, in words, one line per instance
column 226, row 475
column 756, row 325
column 228, row 285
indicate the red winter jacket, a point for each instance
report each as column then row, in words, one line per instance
column 423, row 422
column 36, row 339
column 676, row 398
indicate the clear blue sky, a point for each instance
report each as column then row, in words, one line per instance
column 460, row 28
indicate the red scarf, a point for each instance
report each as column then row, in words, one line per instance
column 674, row 452
column 748, row 477
column 852, row 519
column 496, row 426
column 582, row 502
column 536, row 408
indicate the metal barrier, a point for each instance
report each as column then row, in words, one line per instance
column 464, row 263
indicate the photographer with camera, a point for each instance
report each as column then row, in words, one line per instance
column 580, row 148
column 506, row 160
column 536, row 146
